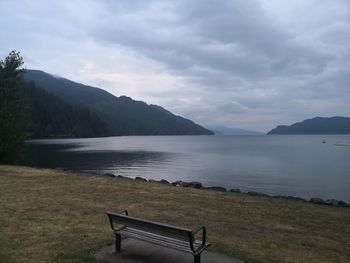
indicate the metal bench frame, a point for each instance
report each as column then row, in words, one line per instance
column 157, row 233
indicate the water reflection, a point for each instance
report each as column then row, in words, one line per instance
column 295, row 165
column 116, row 162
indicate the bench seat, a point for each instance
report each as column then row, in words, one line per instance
column 160, row 239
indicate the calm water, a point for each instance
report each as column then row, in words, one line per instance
column 289, row 165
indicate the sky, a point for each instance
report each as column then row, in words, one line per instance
column 251, row 64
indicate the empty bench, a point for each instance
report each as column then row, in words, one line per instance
column 157, row 233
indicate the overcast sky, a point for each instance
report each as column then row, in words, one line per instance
column 250, row 64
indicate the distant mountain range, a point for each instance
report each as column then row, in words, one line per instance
column 77, row 110
column 317, row 125
column 222, row 130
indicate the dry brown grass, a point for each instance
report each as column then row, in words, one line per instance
column 48, row 216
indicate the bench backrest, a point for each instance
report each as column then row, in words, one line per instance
column 149, row 226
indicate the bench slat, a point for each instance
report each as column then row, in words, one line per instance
column 157, row 238
column 178, row 246
column 152, row 227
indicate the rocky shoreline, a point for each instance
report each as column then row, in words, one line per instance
column 198, row 185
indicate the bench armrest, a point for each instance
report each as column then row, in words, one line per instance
column 111, row 221
column 204, row 237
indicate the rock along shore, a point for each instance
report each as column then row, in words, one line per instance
column 198, row 185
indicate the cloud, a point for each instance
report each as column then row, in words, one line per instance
column 251, row 64
column 233, row 37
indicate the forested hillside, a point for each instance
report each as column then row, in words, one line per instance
column 123, row 115
column 51, row 117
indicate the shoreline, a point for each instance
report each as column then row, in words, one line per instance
column 198, row 185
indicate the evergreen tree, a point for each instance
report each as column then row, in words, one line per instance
column 13, row 111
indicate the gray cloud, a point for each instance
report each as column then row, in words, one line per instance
column 235, row 37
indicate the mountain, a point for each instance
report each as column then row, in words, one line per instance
column 123, row 115
column 51, row 117
column 222, row 130
column 318, row 125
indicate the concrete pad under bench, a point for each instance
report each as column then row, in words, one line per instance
column 135, row 251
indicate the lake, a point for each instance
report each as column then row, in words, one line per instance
column 298, row 165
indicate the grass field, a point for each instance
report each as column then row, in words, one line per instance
column 48, row 216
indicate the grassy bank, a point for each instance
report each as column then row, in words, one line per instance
column 48, row 216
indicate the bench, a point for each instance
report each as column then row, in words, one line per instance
column 157, row 233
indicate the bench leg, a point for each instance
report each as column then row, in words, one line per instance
column 197, row 258
column 118, row 245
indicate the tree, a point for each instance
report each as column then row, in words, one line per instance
column 13, row 109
